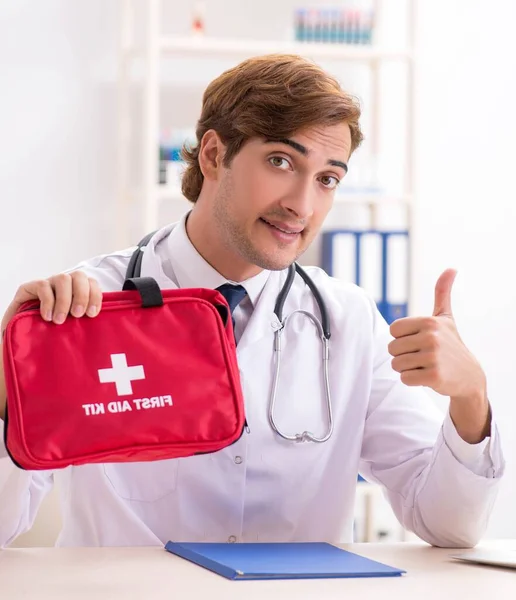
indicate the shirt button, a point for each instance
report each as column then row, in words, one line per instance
column 232, row 539
column 238, row 460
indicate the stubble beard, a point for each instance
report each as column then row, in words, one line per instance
column 235, row 238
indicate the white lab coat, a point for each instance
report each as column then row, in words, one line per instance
column 263, row 488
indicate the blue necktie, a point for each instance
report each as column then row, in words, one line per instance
column 234, row 294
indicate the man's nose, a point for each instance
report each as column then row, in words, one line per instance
column 300, row 201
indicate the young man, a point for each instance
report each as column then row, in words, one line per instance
column 274, row 140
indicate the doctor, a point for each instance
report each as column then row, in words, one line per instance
column 274, row 140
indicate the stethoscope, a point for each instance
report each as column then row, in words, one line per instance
column 323, row 328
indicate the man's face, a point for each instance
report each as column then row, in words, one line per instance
column 273, row 199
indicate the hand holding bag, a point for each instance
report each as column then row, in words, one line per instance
column 153, row 376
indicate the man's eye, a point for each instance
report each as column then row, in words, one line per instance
column 329, row 181
column 279, row 161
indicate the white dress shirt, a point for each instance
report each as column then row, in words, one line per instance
column 264, row 488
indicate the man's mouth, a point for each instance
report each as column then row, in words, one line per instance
column 283, row 227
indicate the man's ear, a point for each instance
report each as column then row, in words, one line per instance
column 211, row 154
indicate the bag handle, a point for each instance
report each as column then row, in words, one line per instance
column 148, row 288
column 133, row 276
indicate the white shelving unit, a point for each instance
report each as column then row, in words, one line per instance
column 157, row 47
column 184, row 46
column 150, row 194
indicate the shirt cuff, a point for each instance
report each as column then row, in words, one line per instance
column 475, row 457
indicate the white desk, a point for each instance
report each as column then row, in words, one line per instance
column 153, row 573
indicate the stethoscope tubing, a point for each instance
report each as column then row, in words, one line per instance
column 323, row 328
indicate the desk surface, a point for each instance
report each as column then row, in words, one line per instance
column 152, row 573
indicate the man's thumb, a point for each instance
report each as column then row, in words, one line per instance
column 443, row 288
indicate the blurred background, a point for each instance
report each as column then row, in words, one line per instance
column 97, row 97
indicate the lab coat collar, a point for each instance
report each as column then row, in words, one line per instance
column 192, row 270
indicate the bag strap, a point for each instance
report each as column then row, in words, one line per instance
column 148, row 289
column 134, row 268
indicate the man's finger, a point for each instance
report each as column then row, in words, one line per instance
column 62, row 285
column 443, row 289
column 416, row 377
column 80, row 293
column 95, row 300
column 411, row 326
column 412, row 360
column 405, row 345
column 44, row 292
column 33, row 290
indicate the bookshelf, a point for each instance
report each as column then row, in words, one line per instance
column 236, row 48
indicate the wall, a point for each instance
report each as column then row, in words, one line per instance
column 466, row 192
column 57, row 143
column 57, row 148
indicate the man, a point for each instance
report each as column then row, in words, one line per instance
column 274, row 140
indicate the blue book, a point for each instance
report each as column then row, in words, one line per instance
column 302, row 560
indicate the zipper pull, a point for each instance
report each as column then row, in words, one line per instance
column 246, row 426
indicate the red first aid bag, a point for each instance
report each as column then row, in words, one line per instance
column 153, row 376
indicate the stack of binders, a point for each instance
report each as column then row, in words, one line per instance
column 377, row 261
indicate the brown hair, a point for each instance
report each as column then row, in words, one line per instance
column 270, row 96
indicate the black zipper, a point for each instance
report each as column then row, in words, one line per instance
column 6, row 419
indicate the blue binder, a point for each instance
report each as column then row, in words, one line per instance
column 303, row 560
column 395, row 275
column 376, row 260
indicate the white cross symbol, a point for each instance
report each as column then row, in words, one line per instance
column 121, row 375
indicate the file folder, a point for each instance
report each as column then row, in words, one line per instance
column 302, row 560
column 377, row 261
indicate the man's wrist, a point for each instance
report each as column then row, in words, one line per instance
column 471, row 417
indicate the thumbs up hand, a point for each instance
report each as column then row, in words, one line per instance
column 428, row 351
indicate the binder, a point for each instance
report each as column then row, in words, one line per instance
column 301, row 560
column 396, row 275
column 340, row 251
column 370, row 271
column 377, row 261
